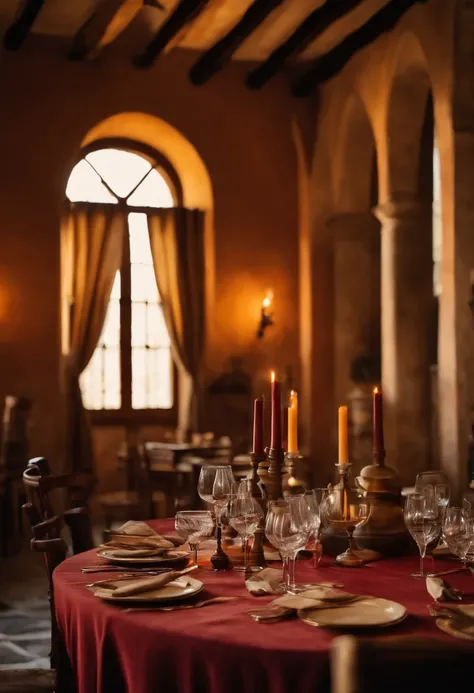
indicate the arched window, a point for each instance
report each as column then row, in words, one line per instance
column 131, row 369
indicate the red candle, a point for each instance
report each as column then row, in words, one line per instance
column 258, row 426
column 275, row 442
column 378, row 442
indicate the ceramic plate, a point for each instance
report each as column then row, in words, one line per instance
column 371, row 612
column 171, row 558
column 171, row 592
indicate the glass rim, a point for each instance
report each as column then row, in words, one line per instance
column 192, row 512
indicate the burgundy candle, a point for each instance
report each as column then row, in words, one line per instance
column 258, row 426
column 275, row 442
column 378, row 442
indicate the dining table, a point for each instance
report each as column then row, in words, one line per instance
column 219, row 648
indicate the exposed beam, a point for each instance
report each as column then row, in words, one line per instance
column 21, row 25
column 105, row 24
column 215, row 58
column 313, row 26
column 181, row 15
column 332, row 62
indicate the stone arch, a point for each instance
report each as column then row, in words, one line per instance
column 355, row 167
column 409, row 89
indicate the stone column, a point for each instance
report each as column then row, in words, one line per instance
column 407, row 298
column 356, row 246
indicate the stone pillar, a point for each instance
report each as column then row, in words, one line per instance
column 407, row 294
column 356, row 243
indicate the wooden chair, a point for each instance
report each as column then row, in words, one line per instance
column 138, row 501
column 399, row 664
column 40, row 484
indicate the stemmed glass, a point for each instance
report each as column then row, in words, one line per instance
column 422, row 519
column 245, row 513
column 286, row 528
column 195, row 526
column 458, row 530
column 215, row 486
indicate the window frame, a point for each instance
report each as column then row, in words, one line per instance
column 126, row 415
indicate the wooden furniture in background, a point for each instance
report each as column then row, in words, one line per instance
column 40, row 485
column 399, row 663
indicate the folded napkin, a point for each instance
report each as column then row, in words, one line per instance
column 457, row 621
column 137, row 540
column 151, row 583
column 267, row 581
column 137, row 528
column 317, row 598
column 440, row 590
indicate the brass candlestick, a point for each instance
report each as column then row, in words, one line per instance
column 219, row 560
column 293, row 485
column 257, row 554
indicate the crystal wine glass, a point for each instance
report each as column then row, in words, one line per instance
column 422, row 519
column 195, row 526
column 215, row 486
column 286, row 528
column 458, row 529
column 245, row 513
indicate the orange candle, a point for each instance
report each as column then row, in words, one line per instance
column 293, row 422
column 343, row 435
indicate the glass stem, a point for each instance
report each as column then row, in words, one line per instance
column 284, row 560
column 246, row 542
column 291, row 581
column 422, row 556
column 194, row 549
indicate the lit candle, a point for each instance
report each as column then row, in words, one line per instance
column 343, row 436
column 275, row 441
column 378, row 442
column 293, row 422
column 258, row 426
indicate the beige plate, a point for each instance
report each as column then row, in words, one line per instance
column 171, row 558
column 372, row 612
column 168, row 593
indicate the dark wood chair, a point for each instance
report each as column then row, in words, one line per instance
column 392, row 664
column 40, row 485
column 137, row 501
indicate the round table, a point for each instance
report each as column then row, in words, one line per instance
column 220, row 649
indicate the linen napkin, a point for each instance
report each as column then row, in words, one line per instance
column 317, row 598
column 148, row 584
column 440, row 590
column 137, row 540
column 267, row 581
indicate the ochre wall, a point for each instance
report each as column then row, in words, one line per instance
column 49, row 105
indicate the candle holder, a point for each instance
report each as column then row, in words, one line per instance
column 257, row 554
column 271, row 471
column 293, row 485
column 384, row 530
column 220, row 560
column 344, row 511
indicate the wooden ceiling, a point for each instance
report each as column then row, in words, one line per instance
column 320, row 36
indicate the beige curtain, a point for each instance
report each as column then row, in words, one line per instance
column 91, row 245
column 177, row 246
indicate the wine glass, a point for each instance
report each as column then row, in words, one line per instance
column 215, row 486
column 245, row 513
column 286, row 528
column 195, row 526
column 346, row 509
column 422, row 519
column 458, row 531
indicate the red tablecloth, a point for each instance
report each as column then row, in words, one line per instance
column 220, row 649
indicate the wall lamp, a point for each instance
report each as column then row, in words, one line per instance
column 266, row 318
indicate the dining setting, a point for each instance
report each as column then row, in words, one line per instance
column 253, row 590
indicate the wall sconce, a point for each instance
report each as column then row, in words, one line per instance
column 266, row 318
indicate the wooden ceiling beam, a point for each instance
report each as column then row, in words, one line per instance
column 329, row 64
column 184, row 11
column 221, row 52
column 313, row 26
column 106, row 23
column 21, row 25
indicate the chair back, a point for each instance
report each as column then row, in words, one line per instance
column 398, row 663
column 40, row 485
column 433, row 477
column 48, row 541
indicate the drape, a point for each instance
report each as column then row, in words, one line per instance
column 177, row 246
column 91, row 245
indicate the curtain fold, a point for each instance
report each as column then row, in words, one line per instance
column 177, row 246
column 92, row 242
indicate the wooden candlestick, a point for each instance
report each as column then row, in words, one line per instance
column 220, row 560
column 271, row 471
column 257, row 554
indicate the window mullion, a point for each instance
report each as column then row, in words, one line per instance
column 126, row 327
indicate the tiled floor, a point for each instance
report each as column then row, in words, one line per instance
column 25, row 626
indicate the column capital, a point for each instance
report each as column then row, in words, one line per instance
column 403, row 209
column 353, row 226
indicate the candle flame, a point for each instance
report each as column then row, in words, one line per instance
column 267, row 301
column 273, row 376
column 376, row 390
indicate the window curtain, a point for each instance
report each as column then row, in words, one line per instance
column 177, row 246
column 91, row 248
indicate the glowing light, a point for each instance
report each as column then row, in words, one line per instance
column 273, row 377
column 376, row 390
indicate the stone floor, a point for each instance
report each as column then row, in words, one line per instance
column 25, row 625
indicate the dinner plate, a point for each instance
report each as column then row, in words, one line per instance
column 171, row 558
column 371, row 612
column 170, row 592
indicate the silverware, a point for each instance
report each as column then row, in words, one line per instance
column 119, row 569
column 271, row 614
column 180, row 607
column 448, row 572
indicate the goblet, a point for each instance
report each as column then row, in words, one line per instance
column 347, row 510
column 195, row 526
column 244, row 514
column 215, row 486
column 423, row 521
column 286, row 528
column 458, row 531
